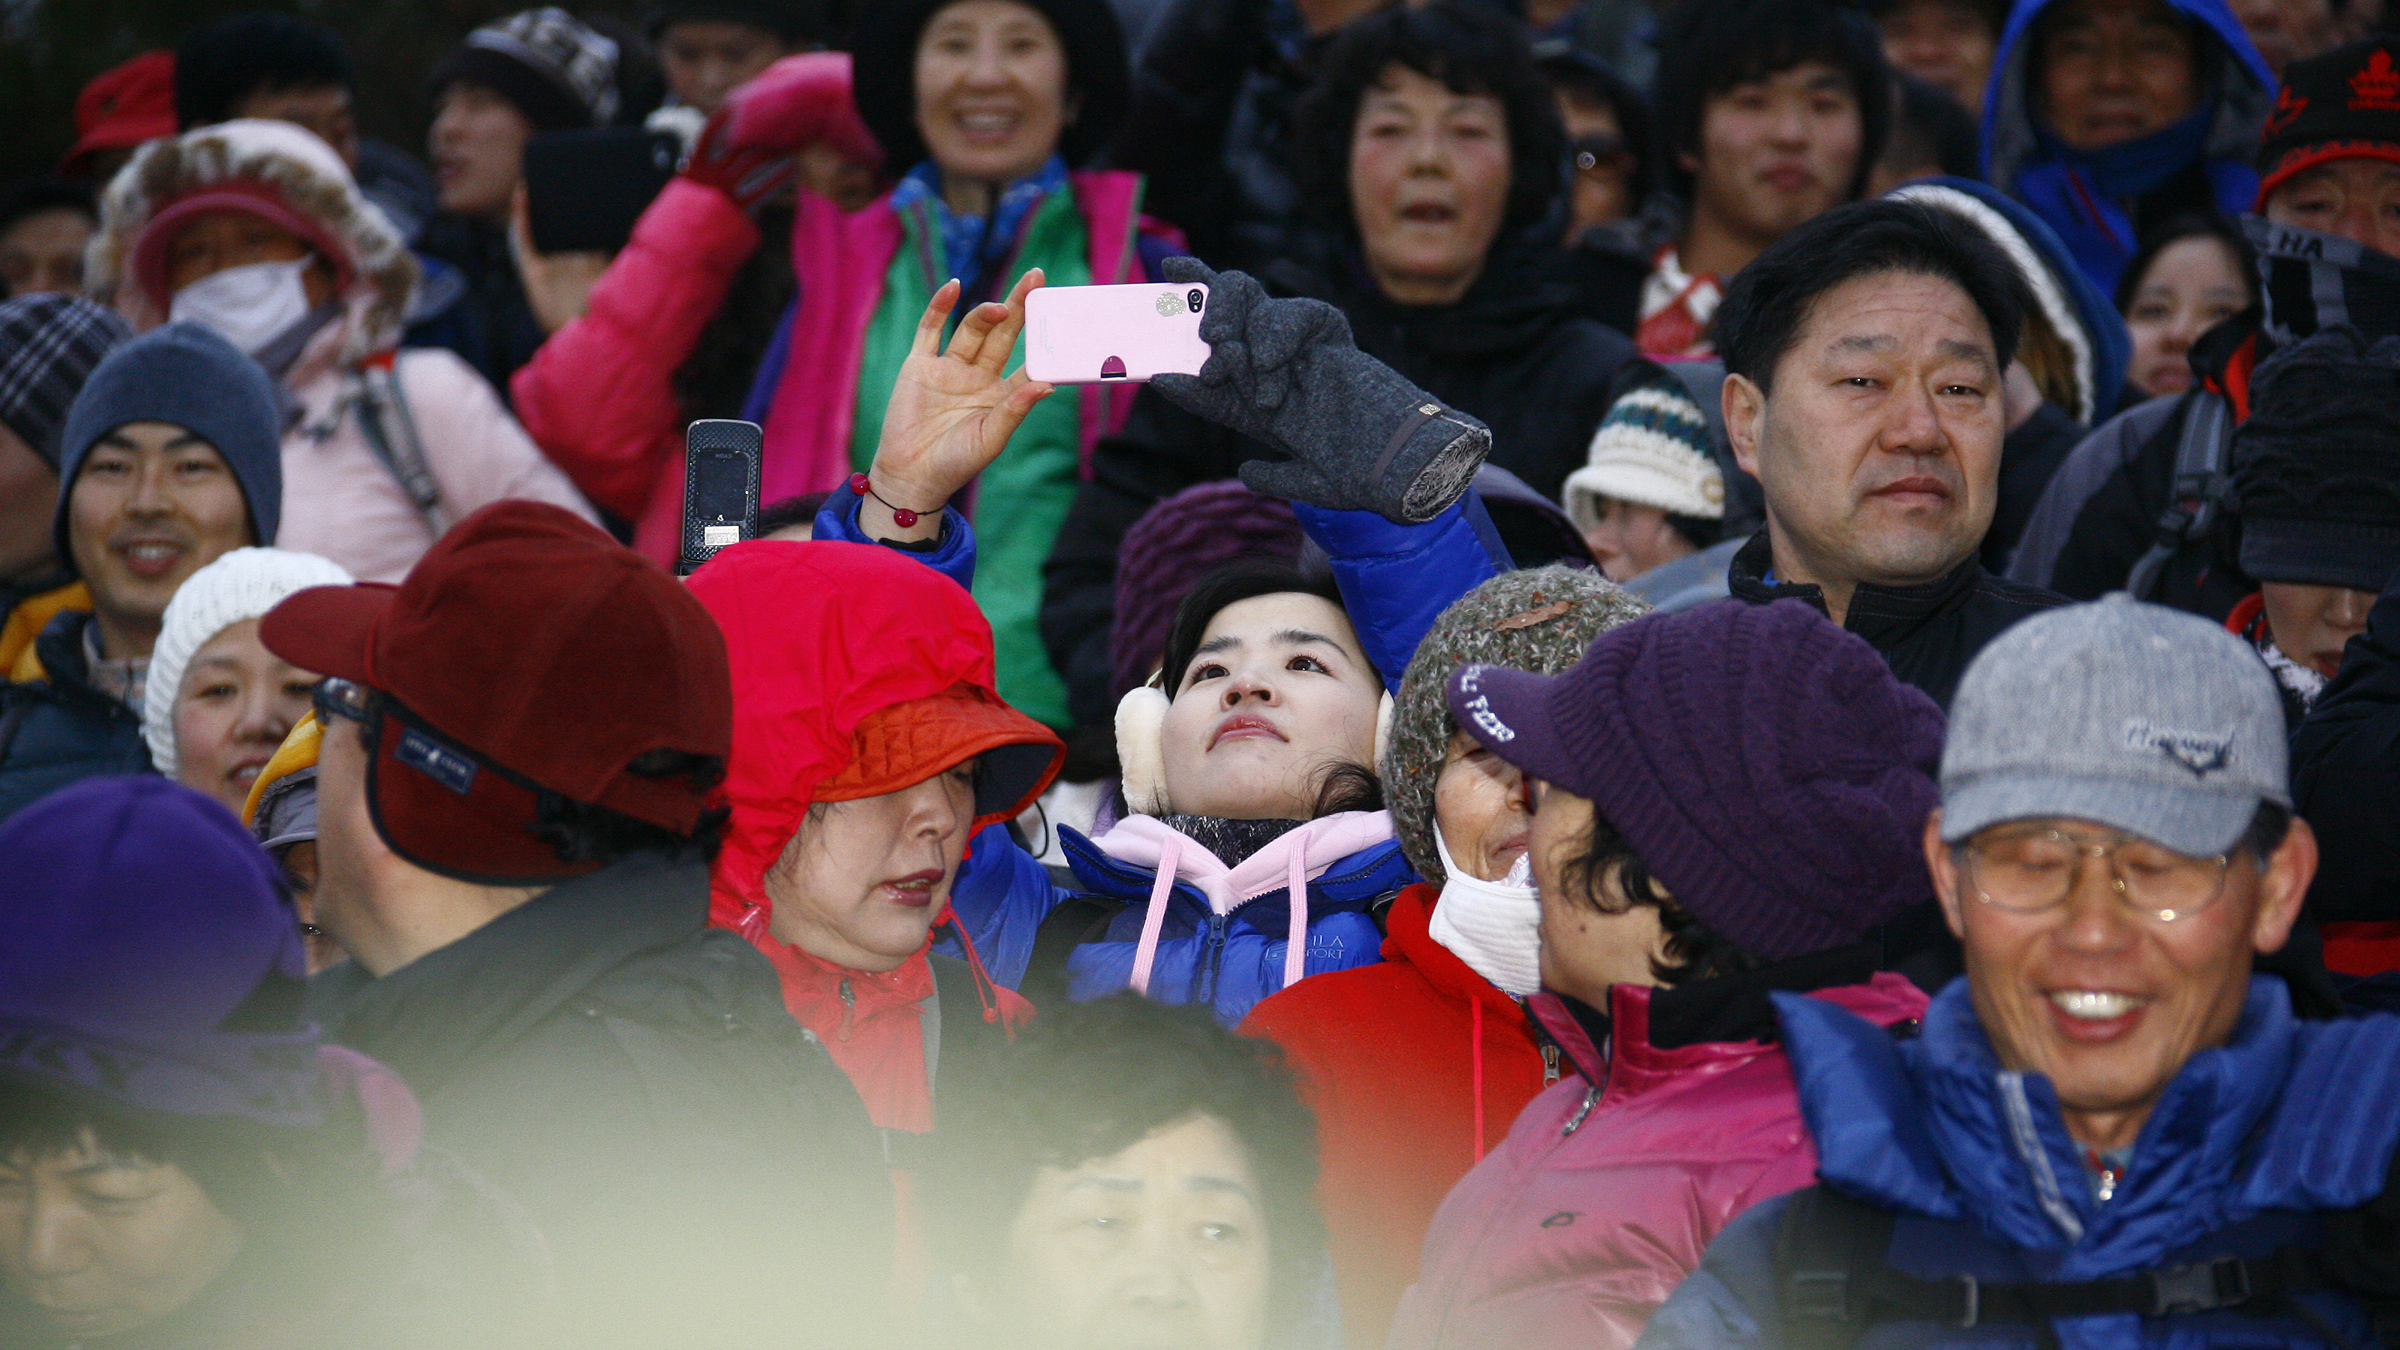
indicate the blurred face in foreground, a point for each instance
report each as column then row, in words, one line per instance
column 860, row 883
column 1163, row 1246
column 101, row 1244
column 1278, row 694
column 2097, row 991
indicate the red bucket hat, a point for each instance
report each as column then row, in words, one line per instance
column 525, row 652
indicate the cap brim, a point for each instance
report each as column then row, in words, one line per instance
column 329, row 629
column 1509, row 713
column 2323, row 152
column 2196, row 824
column 925, row 736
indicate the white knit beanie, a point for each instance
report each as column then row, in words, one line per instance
column 1652, row 449
column 243, row 584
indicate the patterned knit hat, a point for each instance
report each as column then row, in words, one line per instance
column 1197, row 531
column 559, row 71
column 1539, row 620
column 1652, row 449
column 49, row 345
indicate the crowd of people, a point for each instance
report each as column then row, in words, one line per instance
column 1754, row 701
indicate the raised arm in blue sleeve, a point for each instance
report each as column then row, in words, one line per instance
column 1397, row 579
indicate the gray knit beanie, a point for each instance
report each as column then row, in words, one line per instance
column 1539, row 620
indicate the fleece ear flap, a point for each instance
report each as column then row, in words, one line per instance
column 1142, row 750
column 1383, row 730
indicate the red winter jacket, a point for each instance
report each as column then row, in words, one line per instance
column 1413, row 1066
column 1609, row 1188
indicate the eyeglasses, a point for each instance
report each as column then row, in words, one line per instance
column 342, row 698
column 2026, row 871
column 1592, row 154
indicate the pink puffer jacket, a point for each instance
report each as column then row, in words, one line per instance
column 1611, row 1183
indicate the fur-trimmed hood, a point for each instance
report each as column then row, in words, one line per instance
column 275, row 164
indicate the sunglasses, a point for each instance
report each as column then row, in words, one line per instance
column 342, row 698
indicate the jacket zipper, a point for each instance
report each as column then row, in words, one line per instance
column 1549, row 1064
column 849, row 1007
column 1210, row 958
column 1591, row 1098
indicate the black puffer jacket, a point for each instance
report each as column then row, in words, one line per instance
column 61, row 729
column 702, row 1171
column 1928, row 633
column 2346, row 776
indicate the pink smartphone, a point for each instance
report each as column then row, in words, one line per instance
column 1090, row 334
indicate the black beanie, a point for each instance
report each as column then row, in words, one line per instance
column 2316, row 466
column 2344, row 104
column 884, row 56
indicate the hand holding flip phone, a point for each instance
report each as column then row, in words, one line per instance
column 1096, row 334
column 720, row 488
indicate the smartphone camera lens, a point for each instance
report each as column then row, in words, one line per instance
column 1193, row 298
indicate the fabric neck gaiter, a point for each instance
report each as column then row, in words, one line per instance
column 249, row 306
column 1493, row 926
column 2310, row 280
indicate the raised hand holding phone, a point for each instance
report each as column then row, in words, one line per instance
column 720, row 488
column 951, row 413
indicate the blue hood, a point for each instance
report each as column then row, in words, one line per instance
column 2009, row 139
column 2083, row 318
column 2287, row 1115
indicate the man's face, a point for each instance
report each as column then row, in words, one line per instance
column 152, row 504
column 42, row 252
column 2106, row 1002
column 1163, row 1246
column 2285, row 31
column 2112, row 71
column 1777, row 151
column 2358, row 199
column 323, row 109
column 1946, row 43
column 1879, row 445
column 102, row 1244
column 703, row 60
column 478, row 150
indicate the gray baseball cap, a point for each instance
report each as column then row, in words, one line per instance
column 2153, row 721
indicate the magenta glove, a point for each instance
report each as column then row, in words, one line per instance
column 746, row 149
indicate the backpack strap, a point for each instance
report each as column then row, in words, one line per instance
column 391, row 431
column 1824, row 1240
column 2202, row 453
column 1074, row 921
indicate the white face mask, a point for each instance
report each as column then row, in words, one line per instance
column 249, row 306
column 1493, row 926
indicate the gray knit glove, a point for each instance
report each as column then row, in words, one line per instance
column 1286, row 372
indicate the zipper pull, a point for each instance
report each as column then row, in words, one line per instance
column 1549, row 1064
column 849, row 1007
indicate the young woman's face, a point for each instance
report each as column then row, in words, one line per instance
column 1630, row 539
column 1585, row 949
column 1429, row 174
column 861, row 881
column 1484, row 806
column 103, row 1245
column 991, row 80
column 1278, row 693
column 235, row 705
column 2191, row 286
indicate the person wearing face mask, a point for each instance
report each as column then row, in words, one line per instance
column 225, row 703
column 1730, row 802
column 254, row 229
column 1461, row 952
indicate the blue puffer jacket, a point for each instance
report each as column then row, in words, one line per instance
column 2088, row 196
column 1395, row 581
column 60, row 729
column 2247, row 1144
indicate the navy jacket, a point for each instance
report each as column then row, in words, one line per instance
column 2249, row 1142
column 62, row 730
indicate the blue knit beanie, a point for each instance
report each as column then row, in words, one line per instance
column 148, row 954
column 186, row 375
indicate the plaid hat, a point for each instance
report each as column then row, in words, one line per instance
column 1766, row 766
column 1652, row 449
column 49, row 345
column 2316, row 465
column 2135, row 716
column 526, row 651
column 149, row 955
column 2344, row 104
column 559, row 71
column 122, row 107
column 1540, row 620
column 1172, row 546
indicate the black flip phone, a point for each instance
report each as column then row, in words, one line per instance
column 720, row 487
column 585, row 188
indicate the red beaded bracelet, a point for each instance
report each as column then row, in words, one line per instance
column 901, row 516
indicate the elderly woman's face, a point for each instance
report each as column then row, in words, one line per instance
column 1278, row 693
column 1429, row 175
column 1593, row 938
column 861, row 881
column 1484, row 806
column 991, row 82
column 213, row 241
column 235, row 704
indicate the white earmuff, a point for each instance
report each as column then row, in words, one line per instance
column 1142, row 749
column 1383, row 732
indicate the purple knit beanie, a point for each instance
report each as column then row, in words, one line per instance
column 148, row 954
column 1200, row 530
column 1765, row 765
